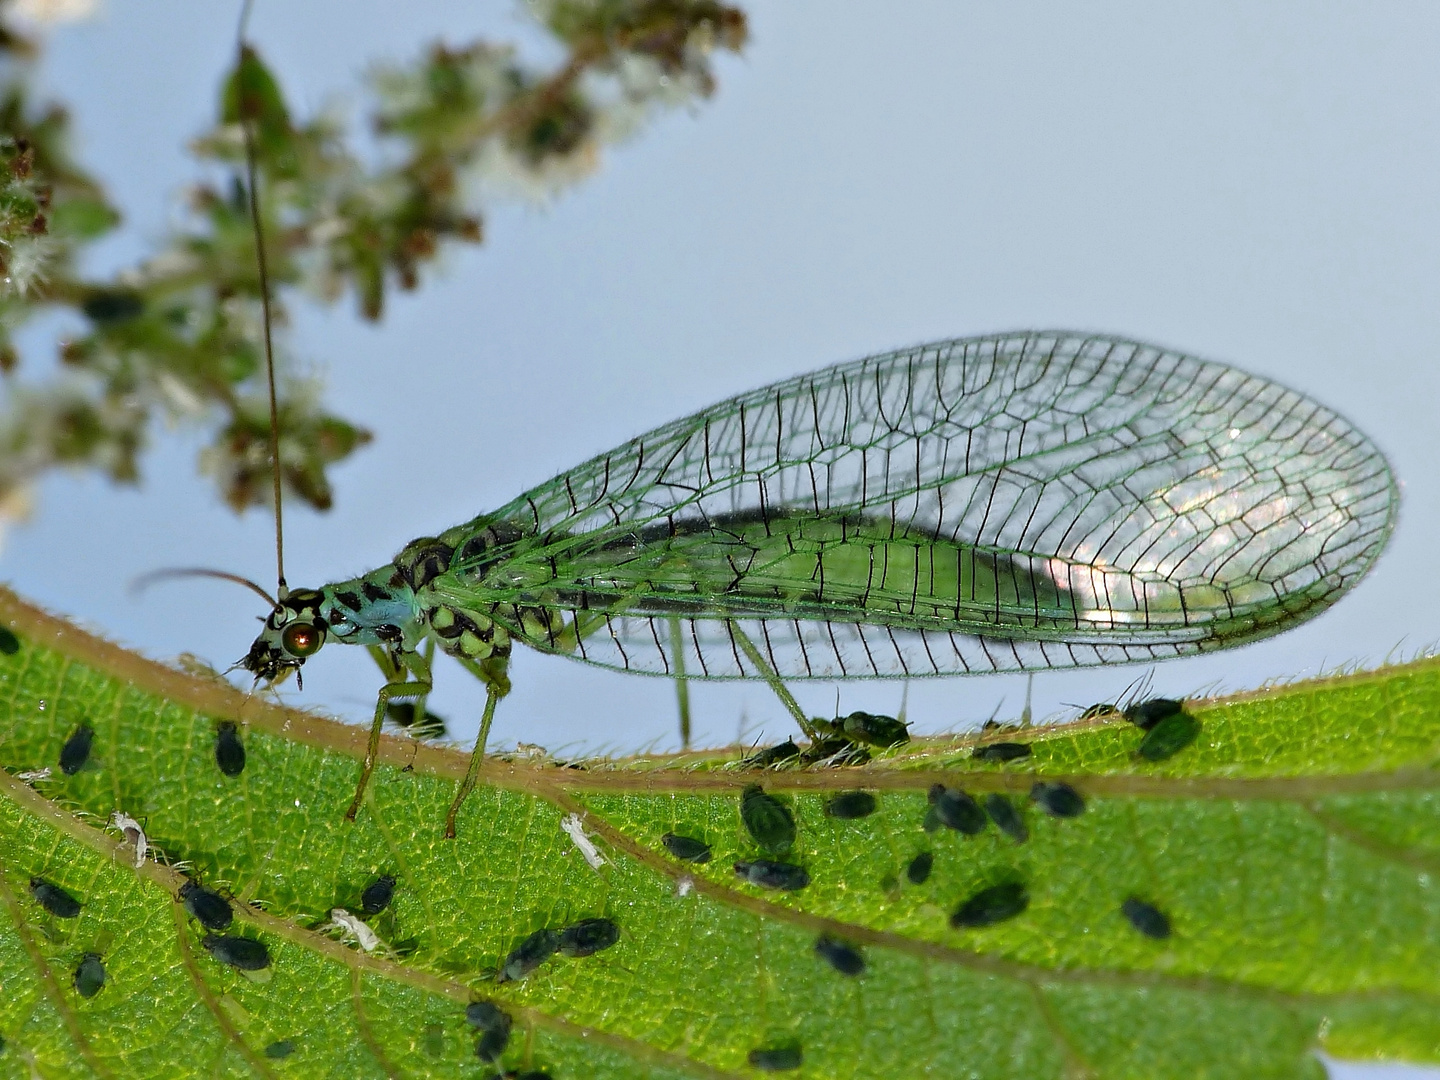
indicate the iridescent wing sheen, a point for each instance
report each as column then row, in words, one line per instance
column 1020, row 501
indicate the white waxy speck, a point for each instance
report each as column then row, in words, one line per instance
column 32, row 776
column 133, row 833
column 684, row 885
column 1234, row 433
column 571, row 823
column 352, row 927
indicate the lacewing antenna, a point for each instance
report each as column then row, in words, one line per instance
column 144, row 581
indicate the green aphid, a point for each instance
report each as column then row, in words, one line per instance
column 993, row 905
column 1168, row 737
column 90, row 975
column 849, row 805
column 686, row 848
column 1006, row 817
column 768, row 820
column 280, row 1049
column 776, row 1059
column 1001, row 751
column 769, row 874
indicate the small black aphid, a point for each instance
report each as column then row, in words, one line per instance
column 1007, row 819
column 773, row 875
column 849, row 805
column 90, row 975
column 587, row 937
column 686, row 847
column 767, row 819
column 493, row 1023
column 1057, row 798
column 1096, row 711
column 835, row 751
column 244, row 953
column 1002, row 751
column 529, row 954
column 840, row 955
column 378, row 894
column 772, row 755
column 1146, row 714
column 864, row 727
column 777, row 1059
column 279, row 1049
column 76, row 751
column 1148, row 919
column 209, row 907
column 956, row 810
column 54, row 899
column 229, row 750
column 918, row 872
column 992, row 905
column 1169, row 737
column 9, row 643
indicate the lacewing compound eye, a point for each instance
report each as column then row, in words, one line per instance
column 54, row 899
column 209, row 908
column 956, row 810
column 850, row 805
column 587, row 937
column 378, row 894
column 776, row 1059
column 1148, row 919
column 1058, row 799
column 76, row 751
column 1006, row 818
column 1168, row 737
column 302, row 639
column 494, row 1025
column 989, row 906
column 773, row 875
column 1002, row 751
column 918, row 872
column 244, row 953
column 768, row 820
column 529, row 955
column 90, row 975
column 840, row 955
column 229, row 750
column 686, row 847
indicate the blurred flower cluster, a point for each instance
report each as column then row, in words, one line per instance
column 178, row 337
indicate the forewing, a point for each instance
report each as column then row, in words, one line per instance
column 997, row 503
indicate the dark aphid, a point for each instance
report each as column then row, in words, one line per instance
column 1094, row 712
column 112, row 305
column 209, row 907
column 378, row 894
column 1057, row 798
column 1146, row 714
column 90, row 975
column 244, row 953
column 772, row 755
column 528, row 1074
column 530, row 954
column 992, row 905
column 1168, row 737
column 776, row 1059
column 493, row 1024
column 773, row 875
column 229, row 750
column 849, row 805
column 918, row 872
column 840, row 955
column 9, row 643
column 587, row 937
column 1007, row 819
column 54, row 899
column 956, row 810
column 767, row 819
column 836, row 751
column 76, row 751
column 686, row 847
column 279, row 1049
column 1148, row 919
column 427, row 726
column 1002, row 751
column 864, row 727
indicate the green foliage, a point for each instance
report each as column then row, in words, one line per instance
column 1292, row 847
column 177, row 336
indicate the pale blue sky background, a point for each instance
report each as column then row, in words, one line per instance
column 1231, row 179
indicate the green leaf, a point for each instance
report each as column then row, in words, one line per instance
column 1293, row 847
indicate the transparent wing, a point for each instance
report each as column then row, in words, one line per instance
column 998, row 503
